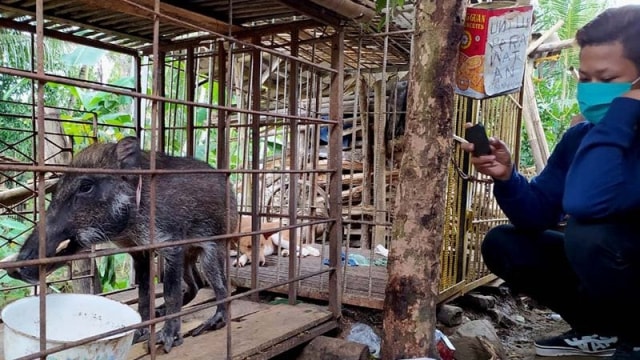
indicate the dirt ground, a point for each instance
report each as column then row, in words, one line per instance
column 530, row 322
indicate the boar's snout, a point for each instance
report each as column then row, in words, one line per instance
column 29, row 251
column 26, row 273
column 16, row 273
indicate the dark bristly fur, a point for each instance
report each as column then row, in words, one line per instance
column 93, row 208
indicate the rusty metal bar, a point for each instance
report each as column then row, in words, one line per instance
column 293, row 179
column 210, row 93
column 138, row 248
column 190, row 78
column 256, row 67
column 157, row 90
column 41, row 201
column 159, row 82
column 138, row 101
column 335, row 162
column 175, row 73
column 222, row 162
column 71, row 278
column 226, row 70
column 222, row 155
column 30, row 117
column 111, row 89
column 50, row 106
column 65, row 169
column 184, row 312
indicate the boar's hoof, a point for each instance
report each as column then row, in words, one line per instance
column 140, row 335
column 215, row 323
column 161, row 311
column 170, row 335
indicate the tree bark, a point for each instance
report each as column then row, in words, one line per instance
column 414, row 261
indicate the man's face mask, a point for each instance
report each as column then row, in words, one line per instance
column 594, row 98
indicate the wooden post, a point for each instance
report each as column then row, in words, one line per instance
column 414, row 261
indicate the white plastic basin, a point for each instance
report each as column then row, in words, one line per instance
column 70, row 317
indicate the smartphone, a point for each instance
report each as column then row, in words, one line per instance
column 478, row 137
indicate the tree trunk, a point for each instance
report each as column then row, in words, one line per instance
column 414, row 261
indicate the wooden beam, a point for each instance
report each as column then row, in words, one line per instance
column 244, row 33
column 314, row 11
column 80, row 24
column 268, row 30
column 21, row 26
column 144, row 9
column 356, row 11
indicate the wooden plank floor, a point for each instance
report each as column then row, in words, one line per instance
column 258, row 330
column 362, row 285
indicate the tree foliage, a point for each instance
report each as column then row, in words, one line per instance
column 555, row 85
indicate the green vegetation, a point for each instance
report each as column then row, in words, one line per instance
column 555, row 86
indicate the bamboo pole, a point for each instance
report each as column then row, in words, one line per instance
column 554, row 46
column 11, row 197
column 533, row 125
column 543, row 37
column 531, row 114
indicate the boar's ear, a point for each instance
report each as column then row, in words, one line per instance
column 128, row 153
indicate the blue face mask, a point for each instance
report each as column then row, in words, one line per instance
column 594, row 98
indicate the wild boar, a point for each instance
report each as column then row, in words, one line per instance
column 92, row 208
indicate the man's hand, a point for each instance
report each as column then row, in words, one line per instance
column 498, row 165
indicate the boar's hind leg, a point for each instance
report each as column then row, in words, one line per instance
column 173, row 273
column 141, row 267
column 213, row 266
column 194, row 282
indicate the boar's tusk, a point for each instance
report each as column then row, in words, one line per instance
column 139, row 192
column 12, row 257
column 63, row 245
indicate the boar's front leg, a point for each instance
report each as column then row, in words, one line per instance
column 141, row 267
column 173, row 272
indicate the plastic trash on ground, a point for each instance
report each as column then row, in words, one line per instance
column 444, row 346
column 363, row 334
